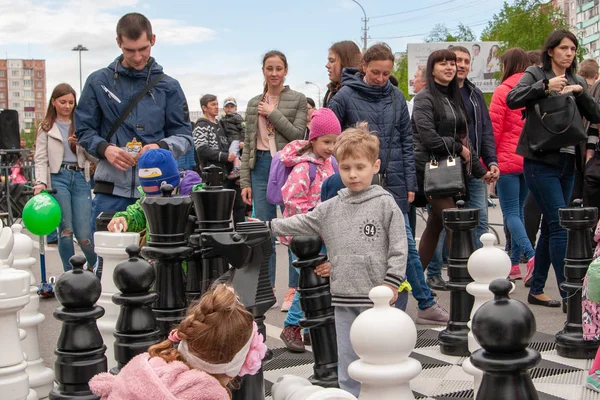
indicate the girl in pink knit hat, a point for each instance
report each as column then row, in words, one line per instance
column 216, row 342
column 312, row 163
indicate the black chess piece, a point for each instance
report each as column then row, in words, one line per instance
column 167, row 218
column 315, row 300
column 136, row 328
column 460, row 223
column 80, row 349
column 579, row 222
column 213, row 205
column 503, row 327
column 248, row 250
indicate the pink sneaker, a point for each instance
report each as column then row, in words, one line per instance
column 515, row 273
column 287, row 299
column 529, row 273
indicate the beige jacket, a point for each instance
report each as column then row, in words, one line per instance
column 49, row 152
column 289, row 120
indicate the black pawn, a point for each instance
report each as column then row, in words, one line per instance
column 579, row 222
column 460, row 223
column 503, row 327
column 79, row 350
column 167, row 218
column 315, row 300
column 136, row 328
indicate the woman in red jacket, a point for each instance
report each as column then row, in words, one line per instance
column 512, row 190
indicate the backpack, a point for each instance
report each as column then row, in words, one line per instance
column 279, row 173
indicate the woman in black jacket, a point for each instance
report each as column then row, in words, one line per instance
column 344, row 54
column 549, row 174
column 439, row 124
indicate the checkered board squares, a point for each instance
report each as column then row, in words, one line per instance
column 442, row 377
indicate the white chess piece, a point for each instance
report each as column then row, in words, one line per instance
column 485, row 265
column 111, row 247
column 41, row 378
column 383, row 337
column 14, row 295
column 6, row 245
column 292, row 387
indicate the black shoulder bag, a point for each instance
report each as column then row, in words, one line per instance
column 553, row 122
column 380, row 178
column 444, row 176
column 132, row 105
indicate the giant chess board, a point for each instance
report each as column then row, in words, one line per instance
column 442, row 378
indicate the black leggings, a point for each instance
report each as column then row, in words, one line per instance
column 532, row 217
column 435, row 224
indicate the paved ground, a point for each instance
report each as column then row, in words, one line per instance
column 549, row 321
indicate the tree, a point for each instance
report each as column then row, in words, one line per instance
column 525, row 24
column 441, row 33
column 401, row 73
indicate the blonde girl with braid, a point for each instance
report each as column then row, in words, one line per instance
column 217, row 341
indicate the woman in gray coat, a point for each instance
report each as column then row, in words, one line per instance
column 273, row 119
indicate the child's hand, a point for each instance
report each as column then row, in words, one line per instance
column 250, row 219
column 118, row 224
column 394, row 290
column 323, row 269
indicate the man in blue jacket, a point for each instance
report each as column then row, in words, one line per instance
column 159, row 120
column 482, row 140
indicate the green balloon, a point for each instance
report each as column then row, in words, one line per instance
column 41, row 214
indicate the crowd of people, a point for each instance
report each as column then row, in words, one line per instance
column 358, row 168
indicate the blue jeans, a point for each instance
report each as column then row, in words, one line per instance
column 108, row 203
column 293, row 274
column 512, row 192
column 477, row 199
column 414, row 272
column 551, row 186
column 263, row 210
column 74, row 196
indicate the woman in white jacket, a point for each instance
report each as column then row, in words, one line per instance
column 63, row 165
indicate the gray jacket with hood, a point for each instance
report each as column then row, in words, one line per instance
column 365, row 237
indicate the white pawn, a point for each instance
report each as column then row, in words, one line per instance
column 111, row 247
column 41, row 378
column 292, row 387
column 14, row 295
column 485, row 265
column 383, row 337
column 6, row 245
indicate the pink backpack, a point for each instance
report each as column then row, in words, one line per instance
column 279, row 173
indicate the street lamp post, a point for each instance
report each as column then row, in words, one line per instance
column 318, row 88
column 79, row 49
column 365, row 20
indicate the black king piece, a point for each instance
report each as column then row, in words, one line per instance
column 167, row 217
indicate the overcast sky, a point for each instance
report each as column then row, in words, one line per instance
column 217, row 46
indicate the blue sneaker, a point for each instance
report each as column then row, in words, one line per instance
column 593, row 381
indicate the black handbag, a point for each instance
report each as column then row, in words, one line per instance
column 444, row 176
column 554, row 122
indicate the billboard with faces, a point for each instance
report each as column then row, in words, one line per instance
column 485, row 63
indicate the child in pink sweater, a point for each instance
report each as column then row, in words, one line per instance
column 217, row 341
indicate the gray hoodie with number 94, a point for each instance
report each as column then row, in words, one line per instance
column 365, row 237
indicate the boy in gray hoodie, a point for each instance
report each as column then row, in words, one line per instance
column 363, row 230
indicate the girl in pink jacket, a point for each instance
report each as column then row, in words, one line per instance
column 300, row 193
column 217, row 341
column 512, row 190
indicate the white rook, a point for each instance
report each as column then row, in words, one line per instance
column 41, row 378
column 111, row 247
column 383, row 337
column 14, row 295
column 485, row 265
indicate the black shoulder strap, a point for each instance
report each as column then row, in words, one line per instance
column 132, row 105
column 389, row 153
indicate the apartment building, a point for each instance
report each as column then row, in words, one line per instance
column 583, row 17
column 23, row 88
